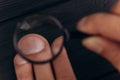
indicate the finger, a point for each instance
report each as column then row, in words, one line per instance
column 37, row 48
column 104, row 24
column 106, row 48
column 62, row 65
column 115, row 9
column 23, row 69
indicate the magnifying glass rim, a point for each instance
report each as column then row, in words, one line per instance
column 65, row 35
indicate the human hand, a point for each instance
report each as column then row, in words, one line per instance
column 62, row 66
column 105, row 31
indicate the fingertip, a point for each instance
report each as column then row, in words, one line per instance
column 93, row 43
column 81, row 25
column 86, row 25
column 18, row 60
column 57, row 44
column 106, row 48
column 23, row 69
column 34, row 47
column 31, row 43
column 92, row 24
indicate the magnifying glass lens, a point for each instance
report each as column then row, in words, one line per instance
column 44, row 27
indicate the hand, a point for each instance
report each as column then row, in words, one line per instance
column 62, row 66
column 105, row 31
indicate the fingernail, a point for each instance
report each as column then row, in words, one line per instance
column 31, row 44
column 93, row 44
column 81, row 25
column 19, row 60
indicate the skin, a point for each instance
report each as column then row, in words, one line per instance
column 105, row 37
column 105, row 31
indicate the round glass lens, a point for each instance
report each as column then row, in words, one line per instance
column 39, row 38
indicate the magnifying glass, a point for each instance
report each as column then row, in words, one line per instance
column 49, row 28
column 46, row 26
